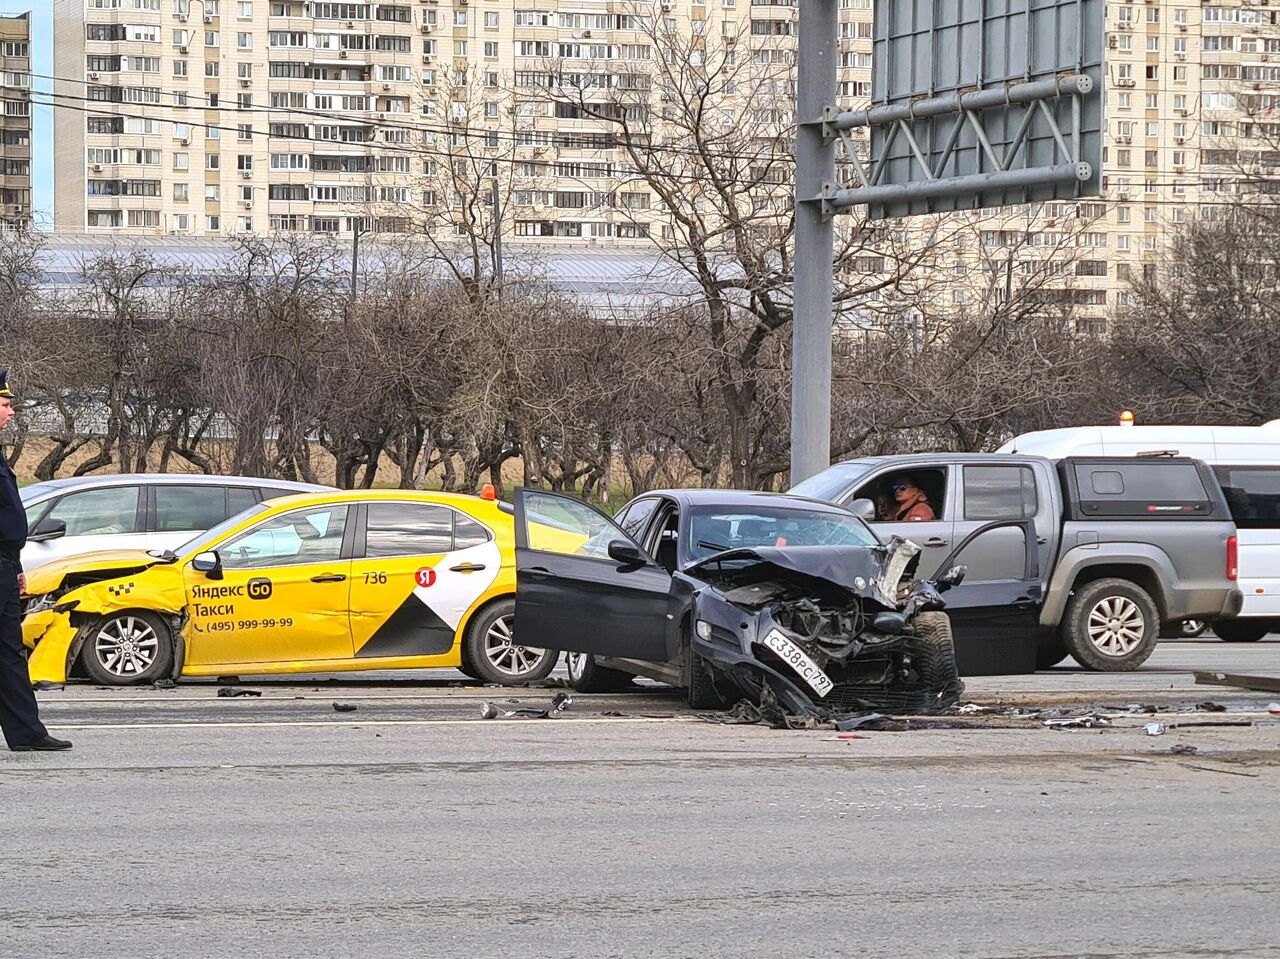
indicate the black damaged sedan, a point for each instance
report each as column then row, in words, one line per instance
column 793, row 604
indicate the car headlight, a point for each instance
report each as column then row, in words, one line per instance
column 38, row 604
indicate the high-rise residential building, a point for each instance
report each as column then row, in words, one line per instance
column 15, row 119
column 223, row 116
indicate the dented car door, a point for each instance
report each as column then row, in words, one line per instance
column 995, row 622
column 583, row 585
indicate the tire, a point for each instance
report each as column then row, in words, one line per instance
column 1111, row 625
column 1050, row 652
column 588, row 676
column 1191, row 628
column 934, row 657
column 491, row 650
column 468, row 670
column 699, row 683
column 1241, row 630
column 129, row 648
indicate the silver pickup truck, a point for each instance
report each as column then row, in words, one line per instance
column 1125, row 549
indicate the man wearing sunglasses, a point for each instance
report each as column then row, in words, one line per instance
column 910, row 503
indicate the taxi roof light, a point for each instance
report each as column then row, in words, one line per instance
column 488, row 491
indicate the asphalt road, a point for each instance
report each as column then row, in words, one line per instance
column 188, row 825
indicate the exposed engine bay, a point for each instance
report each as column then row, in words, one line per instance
column 816, row 629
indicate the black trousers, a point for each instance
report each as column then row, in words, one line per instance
column 19, row 715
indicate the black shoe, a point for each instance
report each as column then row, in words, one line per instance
column 44, row 744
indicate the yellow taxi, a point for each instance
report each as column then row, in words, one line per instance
column 316, row 582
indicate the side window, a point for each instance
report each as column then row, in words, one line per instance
column 189, row 508
column 34, row 511
column 467, row 532
column 1253, row 495
column 906, row 496
column 635, row 517
column 239, row 498
column 407, row 529
column 999, row 492
column 568, row 527
column 303, row 536
column 271, row 492
column 1136, row 488
column 98, row 511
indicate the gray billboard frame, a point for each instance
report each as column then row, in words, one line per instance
column 977, row 103
column 978, row 130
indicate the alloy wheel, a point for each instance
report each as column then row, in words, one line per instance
column 126, row 646
column 576, row 663
column 1116, row 626
column 506, row 655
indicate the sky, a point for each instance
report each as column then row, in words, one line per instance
column 42, row 137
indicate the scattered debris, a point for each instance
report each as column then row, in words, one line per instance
column 228, row 692
column 40, row 685
column 1219, row 769
column 1183, row 749
column 1155, row 729
column 743, row 713
column 869, row 721
column 1265, row 684
column 1092, row 721
column 1212, row 722
column 559, row 703
column 1134, row 759
column 345, row 707
column 1210, row 707
column 612, row 712
column 1274, row 709
column 973, row 709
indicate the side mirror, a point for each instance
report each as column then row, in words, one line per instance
column 952, row 577
column 864, row 509
column 628, row 554
column 209, row 563
column 48, row 529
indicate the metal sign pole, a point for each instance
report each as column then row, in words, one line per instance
column 814, row 278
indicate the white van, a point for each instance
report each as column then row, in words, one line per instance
column 1246, row 460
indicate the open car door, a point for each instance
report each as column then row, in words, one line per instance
column 584, row 586
column 995, row 623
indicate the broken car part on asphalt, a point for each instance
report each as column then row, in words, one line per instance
column 1264, row 684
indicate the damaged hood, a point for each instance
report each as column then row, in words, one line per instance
column 864, row 571
column 87, row 568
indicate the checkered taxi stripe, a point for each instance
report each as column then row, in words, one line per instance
column 120, row 589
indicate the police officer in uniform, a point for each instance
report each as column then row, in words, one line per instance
column 19, row 717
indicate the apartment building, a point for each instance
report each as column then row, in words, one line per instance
column 200, row 117
column 15, row 119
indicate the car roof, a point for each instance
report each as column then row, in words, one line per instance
column 161, row 479
column 330, row 495
column 909, row 460
column 742, row 498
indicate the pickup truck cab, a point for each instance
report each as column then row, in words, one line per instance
column 1127, row 548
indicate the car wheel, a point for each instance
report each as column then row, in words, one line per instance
column 492, row 650
column 1111, row 625
column 700, row 683
column 588, row 676
column 128, row 649
column 1241, row 630
column 934, row 656
column 1191, row 628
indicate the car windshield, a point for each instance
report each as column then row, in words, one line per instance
column 831, row 483
column 201, row 542
column 714, row 530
